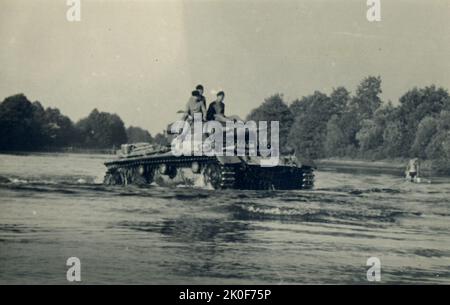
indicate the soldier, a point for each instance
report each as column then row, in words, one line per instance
column 412, row 170
column 194, row 105
column 200, row 90
column 216, row 110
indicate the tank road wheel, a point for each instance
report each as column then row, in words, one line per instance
column 213, row 175
column 168, row 170
column 218, row 176
column 143, row 175
column 112, row 177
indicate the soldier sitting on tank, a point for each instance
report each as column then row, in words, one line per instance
column 200, row 90
column 194, row 105
column 216, row 110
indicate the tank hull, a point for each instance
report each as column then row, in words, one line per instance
column 205, row 171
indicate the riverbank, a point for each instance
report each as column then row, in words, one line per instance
column 397, row 165
column 69, row 150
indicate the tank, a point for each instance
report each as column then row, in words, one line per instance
column 145, row 164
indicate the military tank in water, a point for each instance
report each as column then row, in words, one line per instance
column 145, row 164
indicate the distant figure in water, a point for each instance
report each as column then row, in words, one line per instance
column 412, row 170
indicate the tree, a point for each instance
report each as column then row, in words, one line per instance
column 438, row 148
column 367, row 99
column 274, row 109
column 342, row 127
column 137, row 134
column 58, row 129
column 340, row 99
column 29, row 126
column 161, row 139
column 392, row 139
column 337, row 141
column 18, row 128
column 102, row 130
column 425, row 132
column 415, row 105
column 370, row 136
column 308, row 132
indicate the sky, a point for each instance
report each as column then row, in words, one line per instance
column 142, row 58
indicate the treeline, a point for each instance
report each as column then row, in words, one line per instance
column 363, row 126
column 28, row 126
column 341, row 124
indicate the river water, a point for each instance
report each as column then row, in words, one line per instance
column 53, row 206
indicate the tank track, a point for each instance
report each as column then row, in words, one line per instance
column 220, row 176
column 276, row 178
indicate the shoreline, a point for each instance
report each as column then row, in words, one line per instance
column 83, row 151
column 397, row 165
column 385, row 163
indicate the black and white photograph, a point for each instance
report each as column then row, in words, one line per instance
column 224, row 142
